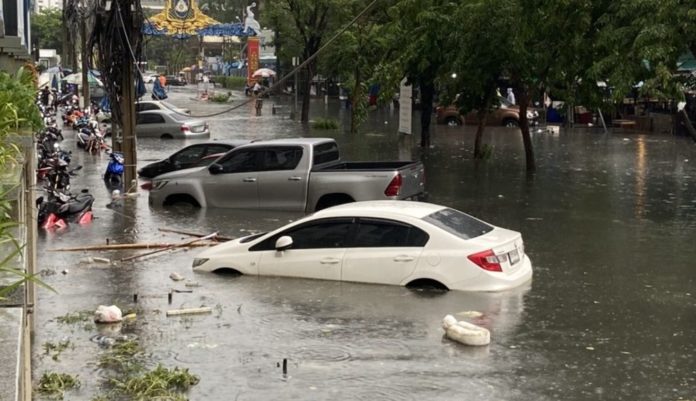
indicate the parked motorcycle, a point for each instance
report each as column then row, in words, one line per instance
column 61, row 208
column 114, row 170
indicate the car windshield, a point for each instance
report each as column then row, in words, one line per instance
column 460, row 224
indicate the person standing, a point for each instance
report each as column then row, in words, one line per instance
column 511, row 96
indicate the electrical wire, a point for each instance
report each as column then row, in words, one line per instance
column 281, row 80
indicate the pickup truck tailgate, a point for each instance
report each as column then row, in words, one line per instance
column 412, row 180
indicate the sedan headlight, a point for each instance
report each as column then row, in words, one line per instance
column 159, row 185
column 199, row 261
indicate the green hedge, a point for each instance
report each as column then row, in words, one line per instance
column 230, row 82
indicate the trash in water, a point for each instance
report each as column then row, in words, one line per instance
column 465, row 332
column 108, row 314
column 176, row 276
column 471, row 314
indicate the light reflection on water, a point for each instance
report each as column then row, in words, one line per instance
column 608, row 222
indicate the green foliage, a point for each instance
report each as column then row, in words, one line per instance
column 231, row 82
column 18, row 112
column 220, row 98
column 325, row 123
column 55, row 385
column 160, row 383
column 55, row 350
column 75, row 317
column 46, row 29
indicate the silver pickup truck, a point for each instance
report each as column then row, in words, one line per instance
column 298, row 174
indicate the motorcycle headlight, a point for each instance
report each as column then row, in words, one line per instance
column 199, row 261
column 159, row 184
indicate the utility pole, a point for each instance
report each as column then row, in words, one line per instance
column 128, row 107
column 64, row 57
column 85, row 58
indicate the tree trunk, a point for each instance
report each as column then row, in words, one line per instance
column 306, row 96
column 427, row 91
column 523, row 101
column 478, row 153
column 356, row 96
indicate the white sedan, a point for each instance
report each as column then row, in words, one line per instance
column 384, row 242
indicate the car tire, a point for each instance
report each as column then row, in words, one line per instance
column 166, row 136
column 511, row 123
column 453, row 122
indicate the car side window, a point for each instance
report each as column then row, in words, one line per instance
column 240, row 162
column 189, row 155
column 329, row 233
column 149, row 119
column 373, row 233
column 214, row 149
column 281, row 158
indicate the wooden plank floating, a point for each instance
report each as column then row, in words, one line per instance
column 190, row 234
column 189, row 311
column 183, row 244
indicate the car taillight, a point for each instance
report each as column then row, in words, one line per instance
column 147, row 186
column 394, row 186
column 487, row 260
column 185, row 127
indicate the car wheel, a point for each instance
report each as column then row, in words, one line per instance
column 453, row 122
column 511, row 123
column 166, row 136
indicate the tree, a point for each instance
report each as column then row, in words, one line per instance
column 46, row 28
column 357, row 54
column 419, row 27
column 477, row 59
column 304, row 24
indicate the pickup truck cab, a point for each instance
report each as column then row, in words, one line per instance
column 298, row 174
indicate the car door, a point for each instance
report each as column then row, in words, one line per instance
column 148, row 124
column 188, row 156
column 282, row 182
column 317, row 250
column 383, row 251
column 235, row 185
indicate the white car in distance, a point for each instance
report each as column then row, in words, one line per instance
column 384, row 242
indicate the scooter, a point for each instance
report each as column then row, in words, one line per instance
column 114, row 170
column 61, row 209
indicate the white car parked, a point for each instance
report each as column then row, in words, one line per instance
column 385, row 242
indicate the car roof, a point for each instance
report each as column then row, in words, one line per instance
column 295, row 141
column 382, row 208
column 233, row 143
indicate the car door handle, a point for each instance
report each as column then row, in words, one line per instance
column 329, row 261
column 295, row 179
column 403, row 258
column 249, row 179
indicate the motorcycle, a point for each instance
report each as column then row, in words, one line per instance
column 60, row 209
column 59, row 176
column 114, row 170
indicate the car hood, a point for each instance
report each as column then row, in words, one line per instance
column 181, row 173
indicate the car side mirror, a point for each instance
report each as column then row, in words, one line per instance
column 215, row 168
column 283, row 243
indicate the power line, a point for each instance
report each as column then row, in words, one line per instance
column 281, row 80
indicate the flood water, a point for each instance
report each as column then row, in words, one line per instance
column 608, row 222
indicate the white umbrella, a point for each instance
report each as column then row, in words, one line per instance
column 76, row 79
column 264, row 73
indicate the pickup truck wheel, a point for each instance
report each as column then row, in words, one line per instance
column 511, row 123
column 453, row 122
column 333, row 200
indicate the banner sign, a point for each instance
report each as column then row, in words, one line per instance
column 405, row 108
column 252, row 57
